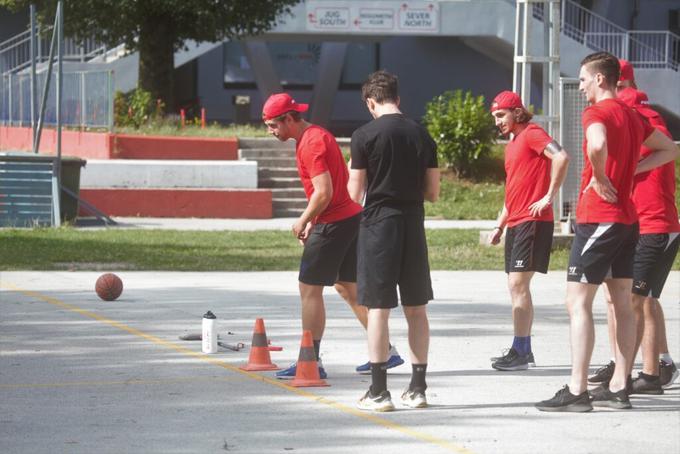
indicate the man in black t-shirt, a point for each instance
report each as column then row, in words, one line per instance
column 394, row 164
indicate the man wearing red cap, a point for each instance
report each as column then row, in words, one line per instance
column 606, row 231
column 654, row 198
column 329, row 225
column 535, row 167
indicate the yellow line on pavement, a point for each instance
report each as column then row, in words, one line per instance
column 374, row 418
column 113, row 382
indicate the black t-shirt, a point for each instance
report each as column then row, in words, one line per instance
column 396, row 152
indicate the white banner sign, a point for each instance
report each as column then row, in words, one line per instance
column 391, row 17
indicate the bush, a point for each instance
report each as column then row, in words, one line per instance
column 136, row 108
column 463, row 130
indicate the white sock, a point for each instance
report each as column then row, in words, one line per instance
column 666, row 358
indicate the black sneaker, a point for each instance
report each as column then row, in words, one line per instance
column 603, row 374
column 603, row 397
column 532, row 362
column 668, row 373
column 564, row 400
column 512, row 361
column 646, row 384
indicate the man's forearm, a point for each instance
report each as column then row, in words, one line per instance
column 318, row 202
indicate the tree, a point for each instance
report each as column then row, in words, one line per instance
column 158, row 28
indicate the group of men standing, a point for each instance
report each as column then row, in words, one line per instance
column 376, row 255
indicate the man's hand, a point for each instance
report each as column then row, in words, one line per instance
column 495, row 237
column 305, row 234
column 300, row 229
column 605, row 189
column 537, row 208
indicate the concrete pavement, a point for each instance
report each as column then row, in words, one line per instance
column 79, row 375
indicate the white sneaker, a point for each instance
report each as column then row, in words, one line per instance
column 414, row 399
column 382, row 402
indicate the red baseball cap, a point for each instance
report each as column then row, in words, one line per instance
column 280, row 103
column 626, row 70
column 506, row 100
column 638, row 100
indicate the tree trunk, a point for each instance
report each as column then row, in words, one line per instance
column 157, row 60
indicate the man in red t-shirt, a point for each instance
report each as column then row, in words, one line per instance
column 329, row 226
column 654, row 198
column 606, row 230
column 535, row 167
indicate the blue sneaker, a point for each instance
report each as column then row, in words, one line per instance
column 394, row 361
column 289, row 374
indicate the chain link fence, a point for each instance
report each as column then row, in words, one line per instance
column 572, row 104
column 87, row 99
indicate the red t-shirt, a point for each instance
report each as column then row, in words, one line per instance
column 528, row 174
column 654, row 191
column 626, row 131
column 318, row 152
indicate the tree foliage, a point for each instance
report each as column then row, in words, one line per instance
column 462, row 128
column 158, row 28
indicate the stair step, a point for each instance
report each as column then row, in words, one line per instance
column 283, row 182
column 275, row 162
column 289, row 203
column 265, row 142
column 272, row 172
column 256, row 153
column 286, row 213
column 290, row 193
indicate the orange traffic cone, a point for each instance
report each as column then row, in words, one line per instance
column 307, row 371
column 259, row 358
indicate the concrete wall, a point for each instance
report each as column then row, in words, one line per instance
column 434, row 65
column 650, row 14
column 147, row 174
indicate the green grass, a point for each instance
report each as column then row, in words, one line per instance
column 461, row 199
column 169, row 250
column 193, row 130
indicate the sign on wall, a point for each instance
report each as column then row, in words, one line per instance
column 391, row 17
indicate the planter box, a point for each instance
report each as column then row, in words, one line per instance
column 181, row 202
column 104, row 145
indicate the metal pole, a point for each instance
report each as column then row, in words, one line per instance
column 43, row 104
column 83, row 101
column 526, row 67
column 515, row 69
column 111, row 100
column 60, row 80
column 9, row 97
column 33, row 76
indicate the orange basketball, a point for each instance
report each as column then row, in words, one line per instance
column 109, row 287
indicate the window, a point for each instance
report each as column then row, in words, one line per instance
column 297, row 64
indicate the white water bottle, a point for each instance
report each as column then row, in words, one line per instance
column 209, row 335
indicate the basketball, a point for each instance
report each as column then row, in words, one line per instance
column 109, row 287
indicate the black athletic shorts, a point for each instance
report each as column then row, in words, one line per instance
column 527, row 246
column 602, row 251
column 330, row 253
column 654, row 256
column 393, row 251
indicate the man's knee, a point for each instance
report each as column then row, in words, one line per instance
column 310, row 291
column 415, row 312
column 638, row 303
column 347, row 290
column 518, row 284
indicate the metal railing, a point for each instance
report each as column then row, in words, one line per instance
column 644, row 49
column 87, row 99
column 15, row 53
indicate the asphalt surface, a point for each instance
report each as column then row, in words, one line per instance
column 80, row 375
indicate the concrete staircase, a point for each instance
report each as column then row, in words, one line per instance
column 277, row 171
